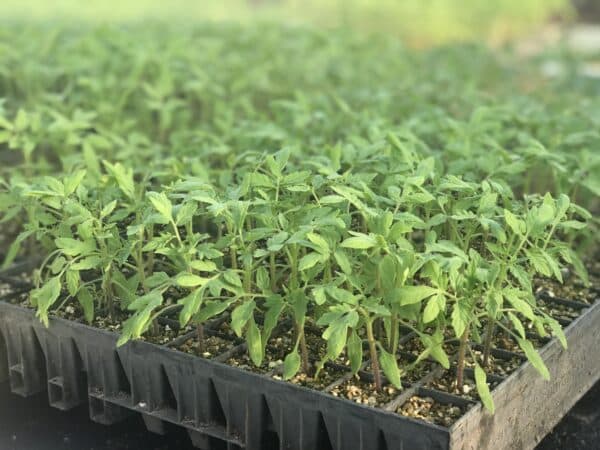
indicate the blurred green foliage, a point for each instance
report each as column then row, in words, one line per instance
column 419, row 22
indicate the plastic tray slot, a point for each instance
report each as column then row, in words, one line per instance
column 27, row 368
column 544, row 296
column 66, row 379
column 444, row 397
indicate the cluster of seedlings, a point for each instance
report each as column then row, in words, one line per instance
column 331, row 227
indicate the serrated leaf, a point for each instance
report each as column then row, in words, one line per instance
column 519, row 304
column 203, row 266
column 331, row 199
column 447, row 247
column 263, row 280
column 212, row 308
column 515, row 224
column 191, row 304
column 387, row 272
column 342, row 260
column 88, row 263
column 432, row 310
column 74, row 247
column 189, row 280
column 522, row 277
column 534, row 358
column 433, row 348
column 461, row 317
column 308, row 261
column 73, row 181
column 232, row 278
column 275, row 308
column 108, row 209
column 241, row 315
column 138, row 323
column 557, row 331
column 72, row 281
column 517, row 324
column 124, row 178
column 161, row 204
column 322, row 245
column 319, row 295
column 336, row 339
column 45, row 297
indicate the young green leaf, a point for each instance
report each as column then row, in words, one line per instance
column 534, row 358
column 241, row 315
column 390, row 367
column 360, row 242
column 253, row 339
column 483, row 389
column 74, row 247
column 189, row 280
column 203, row 266
column 45, row 297
column 309, row 260
column 355, row 351
column 291, row 365
column 408, row 295
column 87, row 304
column 162, row 204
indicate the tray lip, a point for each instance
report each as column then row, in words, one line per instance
column 477, row 409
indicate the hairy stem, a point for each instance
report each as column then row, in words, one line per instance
column 373, row 356
column 487, row 344
column 393, row 342
column 303, row 350
column 233, row 256
column 460, row 363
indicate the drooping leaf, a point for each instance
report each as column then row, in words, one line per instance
column 483, row 389
column 87, row 304
column 291, row 364
column 534, row 358
column 191, row 304
column 45, row 297
column 253, row 339
column 241, row 315
column 355, row 351
column 390, row 368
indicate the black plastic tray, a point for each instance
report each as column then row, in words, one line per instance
column 224, row 407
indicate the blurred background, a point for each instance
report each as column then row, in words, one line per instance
column 418, row 22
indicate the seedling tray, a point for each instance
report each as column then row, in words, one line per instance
column 224, row 407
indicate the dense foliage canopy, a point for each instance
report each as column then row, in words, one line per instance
column 287, row 177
